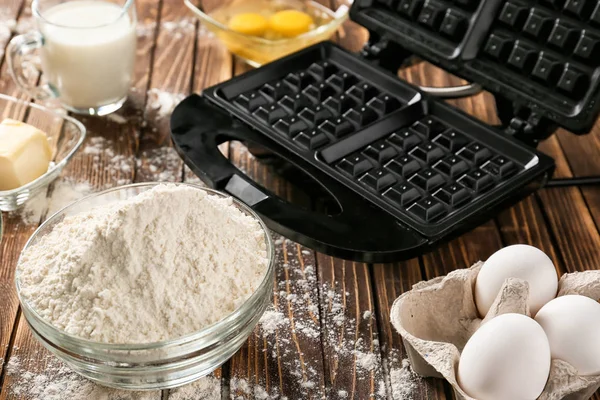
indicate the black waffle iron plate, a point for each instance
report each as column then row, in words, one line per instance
column 407, row 170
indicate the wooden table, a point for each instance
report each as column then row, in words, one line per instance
column 333, row 338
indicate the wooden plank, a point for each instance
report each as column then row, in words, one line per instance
column 170, row 82
column 114, row 142
column 351, row 350
column 581, row 152
column 350, row 327
column 573, row 228
column 213, row 64
column 524, row 223
column 389, row 282
column 9, row 12
column 35, row 373
column 15, row 233
column 352, row 36
column 464, row 251
column 283, row 355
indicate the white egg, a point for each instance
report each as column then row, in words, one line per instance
column 572, row 324
column 508, row 358
column 517, row 261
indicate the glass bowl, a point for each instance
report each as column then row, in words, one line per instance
column 257, row 51
column 159, row 365
column 65, row 134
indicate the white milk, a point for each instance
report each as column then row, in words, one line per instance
column 89, row 52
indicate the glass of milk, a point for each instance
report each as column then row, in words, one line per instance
column 87, row 52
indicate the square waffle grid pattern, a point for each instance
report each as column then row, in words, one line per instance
column 449, row 19
column 420, row 168
column 428, row 170
column 319, row 106
column 554, row 43
column 444, row 22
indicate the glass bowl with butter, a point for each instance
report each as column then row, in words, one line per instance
column 260, row 31
column 36, row 143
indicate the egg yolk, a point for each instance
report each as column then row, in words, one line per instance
column 290, row 23
column 249, row 23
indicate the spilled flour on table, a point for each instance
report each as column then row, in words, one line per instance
column 241, row 389
column 294, row 318
column 163, row 103
column 183, row 25
column 117, row 118
column 117, row 169
column 271, row 320
column 173, row 28
column 58, row 382
column 6, row 29
column 143, row 30
column 163, row 163
column 404, row 382
column 366, row 361
column 207, row 388
column 64, row 192
column 24, row 25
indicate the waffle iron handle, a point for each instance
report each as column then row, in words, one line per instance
column 360, row 232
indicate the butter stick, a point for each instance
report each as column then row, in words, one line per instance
column 24, row 154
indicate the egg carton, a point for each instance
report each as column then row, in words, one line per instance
column 434, row 337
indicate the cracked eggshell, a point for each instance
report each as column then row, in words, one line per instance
column 518, row 261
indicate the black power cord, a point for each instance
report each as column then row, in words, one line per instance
column 577, row 181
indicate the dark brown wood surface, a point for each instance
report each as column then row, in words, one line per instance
column 334, row 339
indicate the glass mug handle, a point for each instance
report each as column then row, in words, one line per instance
column 19, row 52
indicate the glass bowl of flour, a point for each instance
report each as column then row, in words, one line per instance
column 147, row 286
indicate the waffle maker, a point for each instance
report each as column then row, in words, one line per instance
column 407, row 170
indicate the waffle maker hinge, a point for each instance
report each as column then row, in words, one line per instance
column 385, row 53
column 520, row 122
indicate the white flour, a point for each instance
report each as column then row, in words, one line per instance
column 142, row 270
column 175, row 29
column 366, row 361
column 271, row 320
column 163, row 163
column 404, row 382
column 207, row 388
column 163, row 103
column 64, row 192
column 58, row 382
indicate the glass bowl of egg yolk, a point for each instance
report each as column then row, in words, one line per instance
column 260, row 31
